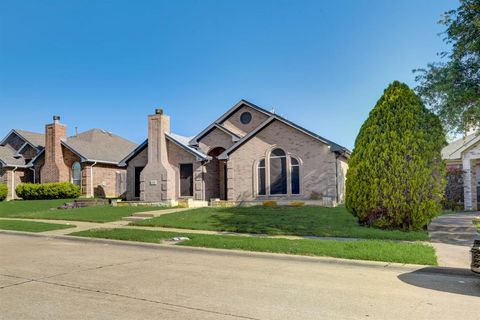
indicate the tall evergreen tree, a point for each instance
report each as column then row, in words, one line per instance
column 396, row 175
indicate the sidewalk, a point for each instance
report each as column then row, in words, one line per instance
column 452, row 236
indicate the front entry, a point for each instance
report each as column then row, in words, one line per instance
column 138, row 171
column 216, row 176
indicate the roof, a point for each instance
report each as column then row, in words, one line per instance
column 333, row 146
column 8, row 157
column 181, row 141
column 272, row 116
column 453, row 151
column 100, row 146
column 36, row 139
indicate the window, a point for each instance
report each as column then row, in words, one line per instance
column 77, row 174
column 278, row 172
column 186, row 180
column 246, row 117
column 261, row 178
column 295, row 178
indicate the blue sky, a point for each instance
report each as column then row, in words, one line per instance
column 107, row 64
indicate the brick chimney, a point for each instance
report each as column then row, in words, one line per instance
column 54, row 168
column 157, row 176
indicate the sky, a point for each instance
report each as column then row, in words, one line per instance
column 109, row 64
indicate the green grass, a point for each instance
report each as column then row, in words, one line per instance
column 476, row 222
column 31, row 226
column 47, row 209
column 303, row 221
column 374, row 250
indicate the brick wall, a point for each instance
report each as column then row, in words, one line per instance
column 55, row 169
column 234, row 124
column 106, row 179
column 317, row 171
column 140, row 160
column 216, row 138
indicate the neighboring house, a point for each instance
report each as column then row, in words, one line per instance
column 248, row 154
column 89, row 159
column 464, row 153
column 17, row 149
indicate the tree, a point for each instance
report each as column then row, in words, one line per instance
column 452, row 88
column 396, row 177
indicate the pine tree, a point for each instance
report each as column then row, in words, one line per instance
column 396, row 175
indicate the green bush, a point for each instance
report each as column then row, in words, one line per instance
column 396, row 176
column 57, row 190
column 269, row 203
column 3, row 191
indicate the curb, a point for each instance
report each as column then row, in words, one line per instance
column 261, row 255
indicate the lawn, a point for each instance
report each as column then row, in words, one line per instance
column 47, row 209
column 374, row 250
column 303, row 221
column 31, row 226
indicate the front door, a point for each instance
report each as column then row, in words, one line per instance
column 138, row 171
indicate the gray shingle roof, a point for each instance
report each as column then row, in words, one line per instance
column 7, row 157
column 100, row 145
column 37, row 139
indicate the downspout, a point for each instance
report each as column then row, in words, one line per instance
column 91, row 178
column 13, row 182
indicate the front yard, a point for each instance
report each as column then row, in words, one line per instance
column 47, row 209
column 301, row 221
column 31, row 226
column 374, row 250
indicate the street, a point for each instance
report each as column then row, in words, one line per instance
column 44, row 278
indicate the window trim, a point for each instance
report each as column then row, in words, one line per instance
column 288, row 157
column 180, row 181
column 72, row 179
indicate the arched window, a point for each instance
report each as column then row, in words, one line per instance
column 262, row 190
column 278, row 172
column 295, row 178
column 77, row 174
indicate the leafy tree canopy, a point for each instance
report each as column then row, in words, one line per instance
column 452, row 88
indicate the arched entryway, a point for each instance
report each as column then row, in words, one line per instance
column 216, row 176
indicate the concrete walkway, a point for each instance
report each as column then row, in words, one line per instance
column 452, row 235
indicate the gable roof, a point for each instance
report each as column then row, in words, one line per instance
column 36, row 140
column 98, row 145
column 453, row 151
column 181, row 141
column 8, row 157
column 334, row 147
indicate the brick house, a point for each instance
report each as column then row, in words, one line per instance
column 89, row 159
column 464, row 153
column 248, row 154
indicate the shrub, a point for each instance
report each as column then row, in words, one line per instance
column 396, row 176
column 270, row 203
column 57, row 190
column 454, row 189
column 3, row 191
column 296, row 204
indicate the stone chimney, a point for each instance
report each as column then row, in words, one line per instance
column 54, row 168
column 157, row 176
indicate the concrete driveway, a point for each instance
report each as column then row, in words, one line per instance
column 44, row 278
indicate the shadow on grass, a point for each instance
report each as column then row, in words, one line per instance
column 451, row 280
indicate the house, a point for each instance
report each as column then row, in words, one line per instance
column 464, row 153
column 90, row 159
column 248, row 154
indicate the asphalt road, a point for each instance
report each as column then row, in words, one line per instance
column 43, row 278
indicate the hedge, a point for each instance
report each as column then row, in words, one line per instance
column 57, row 190
column 3, row 192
